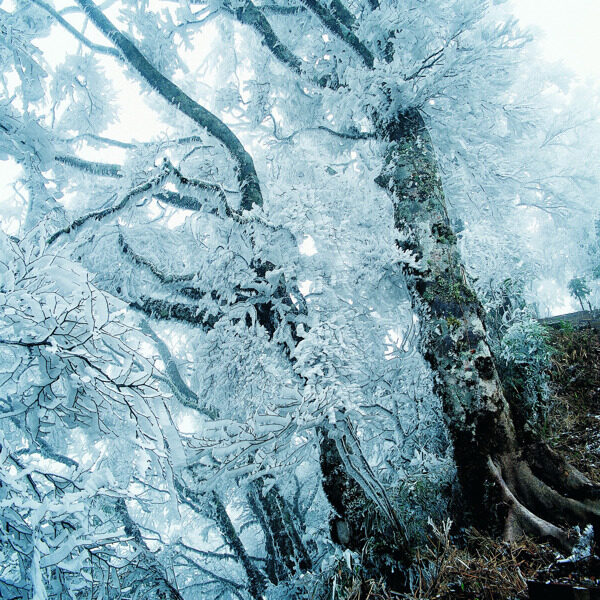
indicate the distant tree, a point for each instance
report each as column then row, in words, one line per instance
column 578, row 288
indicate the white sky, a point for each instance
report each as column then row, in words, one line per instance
column 569, row 31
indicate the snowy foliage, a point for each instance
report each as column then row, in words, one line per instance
column 175, row 343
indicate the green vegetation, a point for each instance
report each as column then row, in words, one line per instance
column 446, row 289
column 453, row 323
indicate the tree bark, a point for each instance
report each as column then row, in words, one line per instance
column 286, row 552
column 500, row 474
column 355, row 495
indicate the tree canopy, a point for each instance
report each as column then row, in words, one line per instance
column 269, row 337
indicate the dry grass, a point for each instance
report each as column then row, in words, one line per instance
column 574, row 422
column 480, row 568
column 475, row 567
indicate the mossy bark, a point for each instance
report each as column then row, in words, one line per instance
column 454, row 337
column 492, row 464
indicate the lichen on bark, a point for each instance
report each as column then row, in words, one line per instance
column 497, row 466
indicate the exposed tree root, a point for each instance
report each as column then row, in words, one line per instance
column 550, row 466
column 520, row 520
column 537, row 508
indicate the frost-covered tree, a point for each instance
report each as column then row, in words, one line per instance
column 242, row 346
column 578, row 288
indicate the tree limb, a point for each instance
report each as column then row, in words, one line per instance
column 246, row 173
column 95, row 168
column 282, row 10
column 186, row 395
column 340, row 30
column 100, row 214
column 154, row 569
column 342, row 14
column 179, row 201
column 161, row 308
column 215, row 510
column 249, row 14
column 190, row 139
column 101, row 139
column 73, row 31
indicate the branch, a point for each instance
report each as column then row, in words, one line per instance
column 152, row 564
column 216, row 578
column 342, row 14
column 201, row 185
column 166, row 279
column 179, row 201
column 433, row 58
column 274, row 8
column 215, row 510
column 186, row 395
column 246, row 173
column 218, row 189
column 100, row 214
column 131, row 146
column 249, row 14
column 101, row 139
column 345, row 135
column 210, row 554
column 46, row 450
column 95, row 168
column 96, row 47
column 340, row 30
column 140, row 260
column 252, row 15
column 179, row 311
column 282, row 10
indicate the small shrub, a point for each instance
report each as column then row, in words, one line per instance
column 527, row 359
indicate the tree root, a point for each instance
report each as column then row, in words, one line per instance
column 549, row 465
column 521, row 521
column 544, row 495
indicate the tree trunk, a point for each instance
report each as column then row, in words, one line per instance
column 500, row 475
column 286, row 552
column 381, row 543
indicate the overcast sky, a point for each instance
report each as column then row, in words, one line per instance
column 569, row 31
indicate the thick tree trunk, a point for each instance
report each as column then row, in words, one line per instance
column 499, row 475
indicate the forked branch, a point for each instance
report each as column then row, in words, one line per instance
column 245, row 171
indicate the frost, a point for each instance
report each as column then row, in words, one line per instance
column 185, row 319
column 583, row 547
